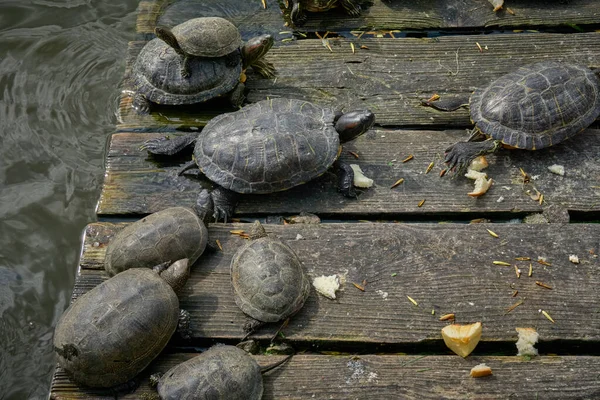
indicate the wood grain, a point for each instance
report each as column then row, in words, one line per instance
column 396, row 377
column 382, row 15
column 136, row 183
column 444, row 267
column 391, row 77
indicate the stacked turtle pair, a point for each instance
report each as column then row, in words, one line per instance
column 198, row 60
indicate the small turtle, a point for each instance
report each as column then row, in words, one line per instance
column 268, row 146
column 191, row 65
column 170, row 234
column 537, row 106
column 299, row 8
column 111, row 333
column 220, row 373
column 269, row 282
column 201, row 37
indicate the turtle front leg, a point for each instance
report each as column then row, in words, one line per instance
column 346, row 180
column 224, row 203
column 185, row 66
column 141, row 104
column 264, row 68
column 352, row 7
column 251, row 326
column 183, row 326
column 168, row 145
column 460, row 154
column 297, row 15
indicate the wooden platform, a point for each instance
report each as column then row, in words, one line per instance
column 408, row 241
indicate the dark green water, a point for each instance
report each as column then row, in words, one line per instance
column 61, row 62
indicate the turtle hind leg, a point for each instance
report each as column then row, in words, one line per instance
column 459, row 155
column 237, row 96
column 352, row 7
column 297, row 15
column 183, row 325
column 167, row 145
column 224, row 203
column 141, row 104
column 251, row 326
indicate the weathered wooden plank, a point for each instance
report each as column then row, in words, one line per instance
column 250, row 16
column 394, row 377
column 444, row 267
column 136, row 183
column 392, row 76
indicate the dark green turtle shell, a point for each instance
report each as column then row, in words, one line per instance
column 268, row 146
column 170, row 234
column 268, row 280
column 319, row 5
column 156, row 74
column 220, row 373
column 111, row 333
column 538, row 105
column 208, row 37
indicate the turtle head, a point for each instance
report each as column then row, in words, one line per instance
column 353, row 124
column 177, row 274
column 256, row 48
column 165, row 34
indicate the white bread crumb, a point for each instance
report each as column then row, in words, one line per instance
column 527, row 338
column 557, row 169
column 360, row 180
column 327, row 285
column 480, row 370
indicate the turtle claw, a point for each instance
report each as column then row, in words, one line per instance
column 152, row 145
column 141, row 104
column 351, row 8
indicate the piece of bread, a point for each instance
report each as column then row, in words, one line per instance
column 462, row 339
column 527, row 338
column 480, row 370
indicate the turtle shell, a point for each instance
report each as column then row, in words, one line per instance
column 208, row 37
column 170, row 234
column 111, row 333
column 156, row 74
column 268, row 146
column 319, row 5
column 220, row 373
column 538, row 105
column 268, row 280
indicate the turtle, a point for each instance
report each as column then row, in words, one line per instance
column 298, row 8
column 268, row 146
column 220, row 373
column 536, row 106
column 269, row 282
column 111, row 333
column 164, row 73
column 170, row 234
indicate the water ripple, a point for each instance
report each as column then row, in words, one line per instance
column 60, row 67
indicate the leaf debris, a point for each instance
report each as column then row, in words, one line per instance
column 421, row 203
column 219, row 244
column 446, row 317
column 505, row 264
column 410, row 157
column 542, row 284
column 547, row 316
column 412, row 301
column 398, row 182
column 494, row 234
column 429, row 167
column 517, row 304
column 359, row 287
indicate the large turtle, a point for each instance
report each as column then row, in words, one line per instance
column 269, row 282
column 220, row 373
column 170, row 234
column 299, row 8
column 268, row 146
column 197, row 61
column 111, row 333
column 536, row 106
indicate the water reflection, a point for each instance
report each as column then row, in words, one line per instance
column 60, row 66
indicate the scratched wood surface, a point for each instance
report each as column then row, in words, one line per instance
column 391, row 77
column 396, row 377
column 382, row 15
column 444, row 267
column 137, row 183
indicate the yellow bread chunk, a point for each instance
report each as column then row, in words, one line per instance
column 480, row 370
column 462, row 339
